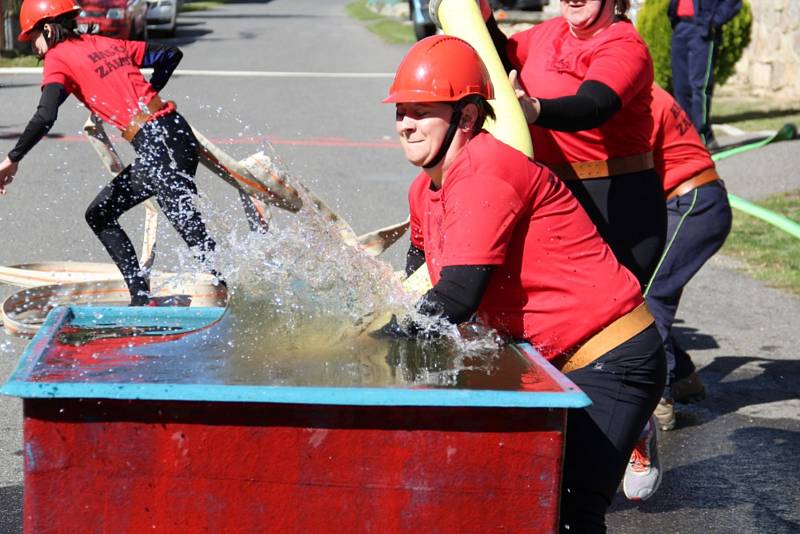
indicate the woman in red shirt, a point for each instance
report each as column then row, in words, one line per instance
column 104, row 75
column 503, row 238
column 584, row 84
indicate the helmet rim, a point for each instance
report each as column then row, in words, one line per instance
column 441, row 68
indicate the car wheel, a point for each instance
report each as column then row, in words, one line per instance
column 422, row 31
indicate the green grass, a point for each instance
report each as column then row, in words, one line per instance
column 769, row 254
column 391, row 30
column 19, row 61
column 358, row 10
column 202, row 5
column 754, row 114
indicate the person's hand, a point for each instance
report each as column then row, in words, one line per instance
column 8, row 169
column 405, row 328
column 530, row 105
column 391, row 330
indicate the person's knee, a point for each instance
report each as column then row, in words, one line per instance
column 97, row 218
column 178, row 206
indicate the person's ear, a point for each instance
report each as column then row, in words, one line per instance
column 47, row 31
column 469, row 115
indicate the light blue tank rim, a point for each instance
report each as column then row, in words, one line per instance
column 192, row 318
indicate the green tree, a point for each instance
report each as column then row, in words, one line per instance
column 654, row 27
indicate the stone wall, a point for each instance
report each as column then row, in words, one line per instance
column 770, row 66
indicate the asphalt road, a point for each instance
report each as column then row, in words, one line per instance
column 732, row 463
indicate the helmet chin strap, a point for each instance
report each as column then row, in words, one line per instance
column 448, row 138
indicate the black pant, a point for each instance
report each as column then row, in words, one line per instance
column 699, row 222
column 631, row 216
column 694, row 53
column 165, row 164
column 624, row 385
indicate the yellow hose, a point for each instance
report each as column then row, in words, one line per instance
column 463, row 19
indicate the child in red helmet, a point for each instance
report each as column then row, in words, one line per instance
column 104, row 75
column 505, row 240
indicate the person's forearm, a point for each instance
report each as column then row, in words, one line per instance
column 593, row 105
column 454, row 299
column 726, row 10
column 458, row 293
column 500, row 43
column 164, row 60
column 46, row 114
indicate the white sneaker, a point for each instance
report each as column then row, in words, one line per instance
column 643, row 474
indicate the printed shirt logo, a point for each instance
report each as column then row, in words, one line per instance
column 682, row 122
column 112, row 58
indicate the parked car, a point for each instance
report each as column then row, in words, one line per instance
column 123, row 19
column 162, row 16
column 424, row 26
column 421, row 19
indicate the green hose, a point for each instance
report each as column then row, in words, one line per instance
column 788, row 131
column 775, row 219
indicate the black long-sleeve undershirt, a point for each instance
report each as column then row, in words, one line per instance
column 415, row 258
column 53, row 95
column 457, row 294
column 591, row 107
column 500, row 41
column 454, row 299
column 164, row 60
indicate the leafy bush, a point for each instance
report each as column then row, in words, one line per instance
column 735, row 38
column 654, row 27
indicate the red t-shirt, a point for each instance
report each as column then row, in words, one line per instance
column 685, row 8
column 553, row 63
column 556, row 283
column 104, row 74
column 678, row 151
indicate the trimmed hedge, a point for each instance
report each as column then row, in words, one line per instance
column 654, row 27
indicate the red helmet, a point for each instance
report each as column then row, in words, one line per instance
column 35, row 11
column 441, row 68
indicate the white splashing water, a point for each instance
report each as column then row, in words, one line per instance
column 298, row 291
column 299, row 296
